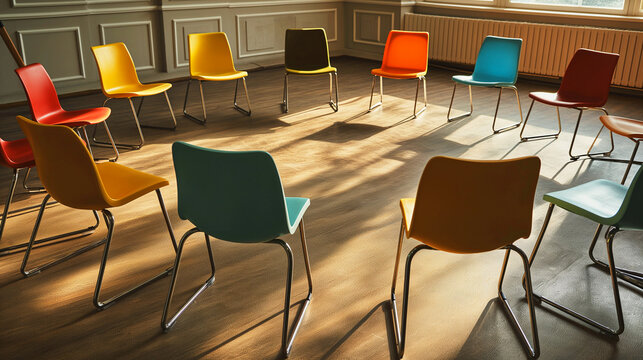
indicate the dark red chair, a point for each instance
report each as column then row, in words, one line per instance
column 585, row 86
column 46, row 108
column 16, row 155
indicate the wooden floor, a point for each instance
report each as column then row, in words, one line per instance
column 354, row 166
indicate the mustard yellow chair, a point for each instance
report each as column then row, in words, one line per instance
column 467, row 207
column 306, row 53
column 211, row 60
column 71, row 177
column 119, row 81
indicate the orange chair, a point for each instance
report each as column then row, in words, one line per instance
column 119, row 81
column 72, row 178
column 467, row 207
column 211, row 60
column 406, row 56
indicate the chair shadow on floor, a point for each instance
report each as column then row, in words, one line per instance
column 384, row 306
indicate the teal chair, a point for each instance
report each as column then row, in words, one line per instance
column 609, row 204
column 236, row 196
column 496, row 67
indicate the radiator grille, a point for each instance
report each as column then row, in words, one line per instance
column 546, row 48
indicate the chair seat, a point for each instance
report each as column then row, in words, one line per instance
column 76, row 118
column 468, row 80
column 398, row 73
column 134, row 90
column 323, row 70
column 630, row 128
column 597, row 200
column 17, row 154
column 407, row 205
column 296, row 207
column 124, row 184
column 220, row 77
column 555, row 99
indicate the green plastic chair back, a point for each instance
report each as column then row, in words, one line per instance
column 231, row 195
column 306, row 49
column 630, row 215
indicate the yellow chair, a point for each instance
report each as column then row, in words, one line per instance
column 211, row 60
column 119, row 80
column 466, row 207
column 71, row 177
column 306, row 53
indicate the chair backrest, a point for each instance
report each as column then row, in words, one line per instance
column 406, row 50
column 630, row 215
column 588, row 77
column 65, row 166
column 231, row 195
column 40, row 90
column 210, row 53
column 306, row 49
column 498, row 60
column 115, row 66
column 469, row 206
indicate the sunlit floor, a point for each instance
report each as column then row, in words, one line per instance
column 354, row 166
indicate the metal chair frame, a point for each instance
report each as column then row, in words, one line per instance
column 333, row 104
column 555, row 135
column 109, row 221
column 6, row 212
column 495, row 115
column 609, row 240
column 417, row 91
column 236, row 107
column 136, row 114
column 400, row 330
column 286, row 341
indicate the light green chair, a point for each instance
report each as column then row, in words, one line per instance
column 609, row 204
column 236, row 196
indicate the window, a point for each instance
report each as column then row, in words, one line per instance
column 606, row 4
column 608, row 7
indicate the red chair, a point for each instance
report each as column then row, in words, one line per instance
column 16, row 155
column 406, row 56
column 46, row 108
column 585, row 86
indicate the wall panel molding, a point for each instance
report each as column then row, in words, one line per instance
column 272, row 21
column 376, row 38
column 79, row 48
column 150, row 39
column 184, row 43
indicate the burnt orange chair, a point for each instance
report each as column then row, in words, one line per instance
column 468, row 207
column 406, row 56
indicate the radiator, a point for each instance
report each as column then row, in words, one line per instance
column 546, row 48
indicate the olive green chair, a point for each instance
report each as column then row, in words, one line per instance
column 237, row 196
column 609, row 204
column 306, row 53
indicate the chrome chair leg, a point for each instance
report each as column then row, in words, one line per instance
column 333, row 105
column 119, row 145
column 633, row 277
column 167, row 325
column 169, row 105
column 284, row 101
column 512, row 126
column 109, row 220
column 609, row 237
column 287, row 341
column 538, row 137
column 533, row 351
column 185, row 102
column 5, row 212
column 29, row 189
column 588, row 154
column 417, row 90
column 245, row 88
column 370, row 104
column 32, row 241
column 449, row 119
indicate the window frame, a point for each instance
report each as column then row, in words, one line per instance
column 631, row 8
